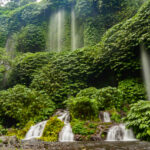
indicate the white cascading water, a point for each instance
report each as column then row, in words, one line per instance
column 56, row 30
column 35, row 131
column 66, row 134
column 146, row 69
column 120, row 133
column 106, row 117
column 4, row 2
column 38, row 1
column 73, row 31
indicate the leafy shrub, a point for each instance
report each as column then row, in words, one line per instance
column 21, row 104
column 26, row 65
column 138, row 119
column 31, row 39
column 121, row 44
column 91, row 93
column 83, row 128
column 82, row 107
column 110, row 97
column 115, row 116
column 3, row 130
column 133, row 90
column 64, row 77
column 20, row 134
column 52, row 129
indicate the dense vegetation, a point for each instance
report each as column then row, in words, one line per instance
column 104, row 75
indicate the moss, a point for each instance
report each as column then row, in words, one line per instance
column 52, row 129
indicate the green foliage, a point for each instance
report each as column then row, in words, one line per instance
column 138, row 119
column 25, row 66
column 121, row 44
column 133, row 90
column 31, row 39
column 3, row 130
column 64, row 77
column 115, row 116
column 82, row 107
column 21, row 104
column 91, row 93
column 110, row 97
column 52, row 129
column 4, row 66
column 20, row 133
column 83, row 128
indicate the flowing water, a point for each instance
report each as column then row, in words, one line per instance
column 106, row 117
column 120, row 133
column 66, row 134
column 4, row 2
column 56, row 30
column 35, row 131
column 73, row 31
column 146, row 69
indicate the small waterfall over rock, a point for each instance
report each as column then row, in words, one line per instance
column 146, row 69
column 106, row 117
column 56, row 30
column 66, row 134
column 120, row 133
column 35, row 131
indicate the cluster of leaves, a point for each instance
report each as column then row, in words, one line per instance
column 31, row 39
column 20, row 133
column 64, row 77
column 3, row 130
column 82, row 107
column 110, row 97
column 52, row 130
column 138, row 119
column 25, row 66
column 133, row 90
column 121, row 44
column 19, row 104
column 105, row 98
column 83, row 127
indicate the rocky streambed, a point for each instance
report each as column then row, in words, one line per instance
column 11, row 143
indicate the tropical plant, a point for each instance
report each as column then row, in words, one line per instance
column 20, row 104
column 138, row 119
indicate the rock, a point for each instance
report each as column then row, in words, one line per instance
column 9, row 140
column 95, row 138
column 78, row 137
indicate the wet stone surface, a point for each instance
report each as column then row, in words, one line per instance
column 38, row 145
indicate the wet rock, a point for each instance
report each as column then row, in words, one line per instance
column 95, row 138
column 78, row 137
column 10, row 140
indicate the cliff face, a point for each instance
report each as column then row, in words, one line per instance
column 93, row 18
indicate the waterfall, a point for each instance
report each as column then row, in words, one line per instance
column 56, row 30
column 73, row 31
column 4, row 2
column 120, row 133
column 146, row 69
column 106, row 117
column 66, row 134
column 35, row 131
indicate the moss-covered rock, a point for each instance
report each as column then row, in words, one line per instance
column 52, row 130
